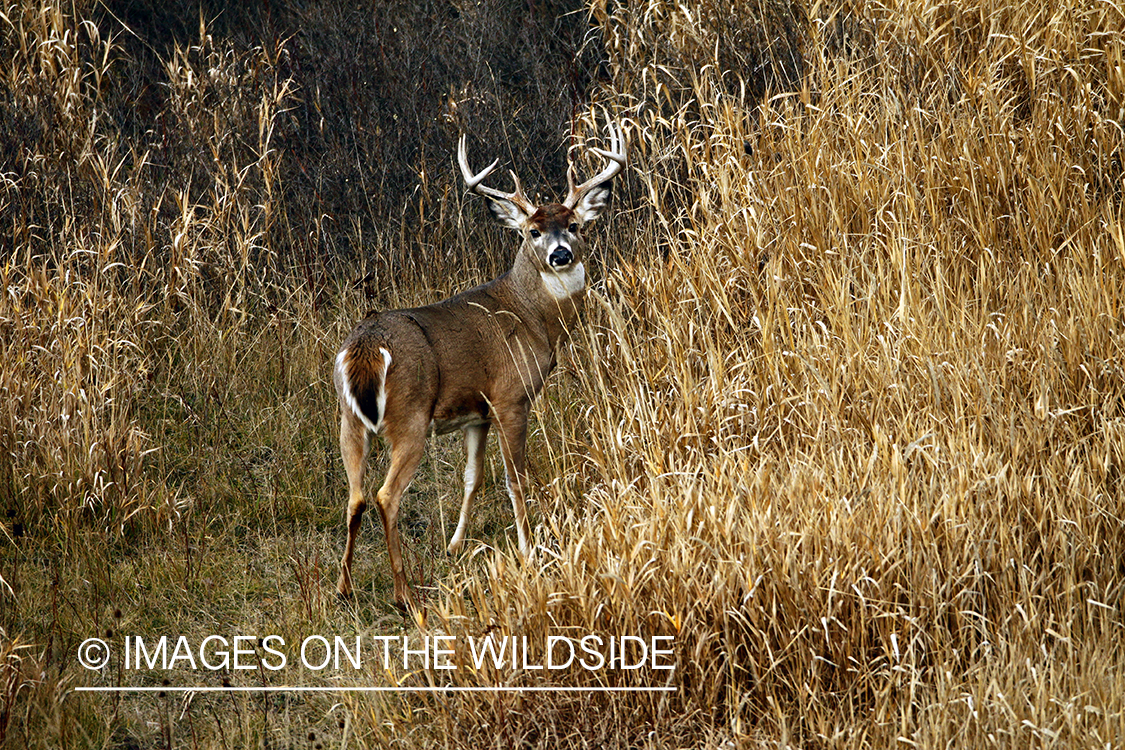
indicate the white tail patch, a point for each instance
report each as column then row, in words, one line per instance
column 566, row 283
column 349, row 398
column 382, row 398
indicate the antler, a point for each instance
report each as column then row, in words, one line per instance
column 616, row 157
column 474, row 181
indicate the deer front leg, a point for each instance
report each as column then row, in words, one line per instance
column 475, row 436
column 512, row 427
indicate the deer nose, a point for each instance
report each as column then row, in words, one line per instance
column 561, row 256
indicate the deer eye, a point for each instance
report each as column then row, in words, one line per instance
column 534, row 234
column 574, row 228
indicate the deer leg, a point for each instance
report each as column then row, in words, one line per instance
column 353, row 448
column 475, row 436
column 406, row 453
column 513, row 444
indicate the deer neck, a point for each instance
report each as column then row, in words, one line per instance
column 553, row 299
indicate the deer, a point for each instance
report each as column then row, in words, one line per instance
column 473, row 362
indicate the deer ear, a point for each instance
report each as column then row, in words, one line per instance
column 506, row 213
column 593, row 202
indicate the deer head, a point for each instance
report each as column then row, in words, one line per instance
column 552, row 232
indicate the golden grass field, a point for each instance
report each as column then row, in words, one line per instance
column 845, row 415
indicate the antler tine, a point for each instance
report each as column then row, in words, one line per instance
column 471, row 180
column 616, row 158
column 518, row 197
column 474, row 181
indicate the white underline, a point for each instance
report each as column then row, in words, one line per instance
column 381, row 689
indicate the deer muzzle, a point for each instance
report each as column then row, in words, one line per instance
column 560, row 256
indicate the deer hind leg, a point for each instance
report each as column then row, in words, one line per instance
column 513, row 445
column 406, row 452
column 475, row 436
column 353, row 448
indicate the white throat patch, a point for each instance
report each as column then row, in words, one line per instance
column 566, row 283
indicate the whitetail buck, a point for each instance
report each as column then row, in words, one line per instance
column 471, row 362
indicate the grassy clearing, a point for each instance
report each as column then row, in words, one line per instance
column 846, row 416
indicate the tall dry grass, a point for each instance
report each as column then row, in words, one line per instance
column 845, row 414
column 856, row 436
